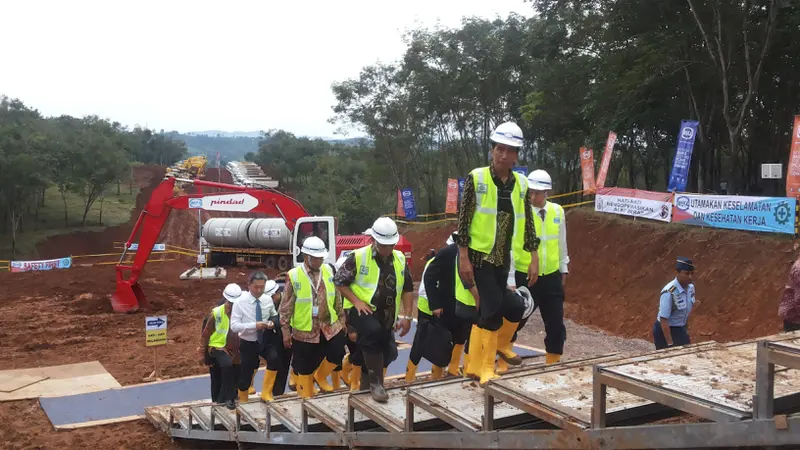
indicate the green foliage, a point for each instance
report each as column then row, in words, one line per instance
column 73, row 158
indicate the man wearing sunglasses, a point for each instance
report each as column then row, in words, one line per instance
column 374, row 280
column 494, row 217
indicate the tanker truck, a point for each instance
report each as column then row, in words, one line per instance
column 267, row 242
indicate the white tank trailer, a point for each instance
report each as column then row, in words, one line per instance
column 267, row 241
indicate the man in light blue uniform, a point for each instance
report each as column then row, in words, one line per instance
column 677, row 300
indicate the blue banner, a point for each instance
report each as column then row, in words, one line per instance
column 734, row 212
column 409, row 208
column 683, row 156
column 521, row 169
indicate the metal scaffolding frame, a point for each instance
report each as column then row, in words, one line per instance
column 538, row 407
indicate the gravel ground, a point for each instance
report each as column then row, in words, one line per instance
column 582, row 341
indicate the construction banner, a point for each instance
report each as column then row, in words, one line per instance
column 587, row 168
column 793, row 172
column 400, row 212
column 35, row 266
column 635, row 203
column 409, row 206
column 683, row 156
column 736, row 212
column 451, row 205
column 609, row 150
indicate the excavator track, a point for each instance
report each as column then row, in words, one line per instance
column 732, row 391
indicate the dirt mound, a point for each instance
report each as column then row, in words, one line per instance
column 619, row 266
column 424, row 238
column 146, row 177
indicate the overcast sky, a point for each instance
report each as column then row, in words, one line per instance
column 202, row 65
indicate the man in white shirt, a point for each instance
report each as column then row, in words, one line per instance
column 548, row 290
column 252, row 317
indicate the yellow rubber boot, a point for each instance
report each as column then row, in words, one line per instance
column 269, row 383
column 292, row 380
column 346, row 367
column 488, row 356
column 355, row 378
column 336, row 379
column 502, row 365
column 504, row 345
column 436, row 372
column 551, row 358
column 305, row 386
column 244, row 397
column 455, row 360
column 411, row 372
column 473, row 370
column 321, row 375
column 252, row 389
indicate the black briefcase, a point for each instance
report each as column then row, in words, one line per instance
column 437, row 343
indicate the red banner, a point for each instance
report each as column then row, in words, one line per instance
column 451, row 206
column 400, row 211
column 793, row 172
column 609, row 150
column 587, row 168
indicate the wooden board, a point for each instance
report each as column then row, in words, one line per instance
column 10, row 383
column 68, row 379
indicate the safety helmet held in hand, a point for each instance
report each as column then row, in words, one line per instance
column 313, row 246
column 232, row 292
column 508, row 133
column 527, row 299
column 452, row 238
column 384, row 231
column 539, row 180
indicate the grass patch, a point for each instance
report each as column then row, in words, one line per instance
column 50, row 221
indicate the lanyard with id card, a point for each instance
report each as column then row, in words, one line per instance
column 314, row 290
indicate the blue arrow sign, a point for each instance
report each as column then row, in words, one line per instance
column 156, row 323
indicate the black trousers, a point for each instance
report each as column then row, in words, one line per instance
column 270, row 351
column 680, row 336
column 492, row 284
column 373, row 336
column 307, row 356
column 548, row 295
column 223, row 376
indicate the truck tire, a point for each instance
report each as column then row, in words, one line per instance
column 284, row 263
column 271, row 262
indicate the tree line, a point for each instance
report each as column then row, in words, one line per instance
column 84, row 156
column 573, row 72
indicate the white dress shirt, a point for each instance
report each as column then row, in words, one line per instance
column 243, row 315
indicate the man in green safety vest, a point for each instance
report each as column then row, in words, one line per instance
column 374, row 280
column 548, row 289
column 312, row 319
column 218, row 342
column 494, row 217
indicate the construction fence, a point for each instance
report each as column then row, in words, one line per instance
column 160, row 253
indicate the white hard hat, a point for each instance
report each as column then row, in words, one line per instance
column 539, row 180
column 270, row 288
column 507, row 133
column 339, row 262
column 232, row 292
column 368, row 232
column 313, row 246
column 384, row 230
column 451, row 239
column 527, row 300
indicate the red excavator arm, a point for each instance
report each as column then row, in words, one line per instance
column 129, row 295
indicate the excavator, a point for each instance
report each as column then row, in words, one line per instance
column 129, row 296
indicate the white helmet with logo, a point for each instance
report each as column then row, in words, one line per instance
column 539, row 180
column 313, row 246
column 508, row 133
column 527, row 300
column 384, row 231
